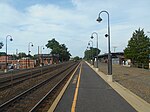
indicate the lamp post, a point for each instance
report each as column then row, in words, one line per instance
column 6, row 50
column 88, row 55
column 42, row 47
column 29, row 44
column 97, row 47
column 92, row 51
column 107, row 35
column 85, row 54
column 149, row 48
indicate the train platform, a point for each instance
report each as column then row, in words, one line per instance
column 89, row 91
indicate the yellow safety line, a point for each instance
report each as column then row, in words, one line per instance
column 55, row 103
column 76, row 92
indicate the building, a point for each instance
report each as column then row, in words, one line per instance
column 26, row 62
column 117, row 58
column 23, row 63
column 3, row 61
column 46, row 59
column 16, row 64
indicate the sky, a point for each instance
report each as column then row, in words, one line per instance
column 70, row 22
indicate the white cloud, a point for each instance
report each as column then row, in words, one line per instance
column 73, row 27
column 39, row 23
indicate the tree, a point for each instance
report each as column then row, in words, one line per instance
column 59, row 49
column 64, row 53
column 2, row 53
column 14, row 57
column 92, row 52
column 138, row 48
column 1, row 45
column 21, row 55
column 54, row 45
column 76, row 58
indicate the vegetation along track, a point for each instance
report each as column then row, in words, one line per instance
column 27, row 100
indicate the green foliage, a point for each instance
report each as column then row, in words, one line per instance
column 76, row 58
column 54, row 45
column 64, row 54
column 1, row 45
column 21, row 55
column 59, row 49
column 14, row 57
column 138, row 48
column 2, row 53
column 91, row 53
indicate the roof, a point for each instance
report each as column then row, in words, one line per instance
column 114, row 55
column 47, row 55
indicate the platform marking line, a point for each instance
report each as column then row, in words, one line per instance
column 75, row 80
column 55, row 103
column 76, row 92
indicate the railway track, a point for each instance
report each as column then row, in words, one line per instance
column 44, row 103
column 15, row 73
column 14, row 79
column 31, row 99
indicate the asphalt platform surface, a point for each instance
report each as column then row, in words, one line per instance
column 94, row 95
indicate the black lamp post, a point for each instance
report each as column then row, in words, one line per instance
column 42, row 47
column 149, row 48
column 30, row 44
column 97, row 47
column 107, row 35
column 6, row 50
column 92, row 51
column 88, row 54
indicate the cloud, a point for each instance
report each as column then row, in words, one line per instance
column 39, row 23
column 73, row 25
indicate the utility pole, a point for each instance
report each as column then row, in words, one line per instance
column 114, row 48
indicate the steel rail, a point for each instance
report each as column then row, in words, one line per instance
column 23, row 77
column 35, row 108
column 14, row 99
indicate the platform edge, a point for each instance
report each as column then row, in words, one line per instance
column 56, row 101
column 135, row 101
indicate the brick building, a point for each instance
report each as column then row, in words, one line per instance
column 46, row 59
column 24, row 63
column 16, row 64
